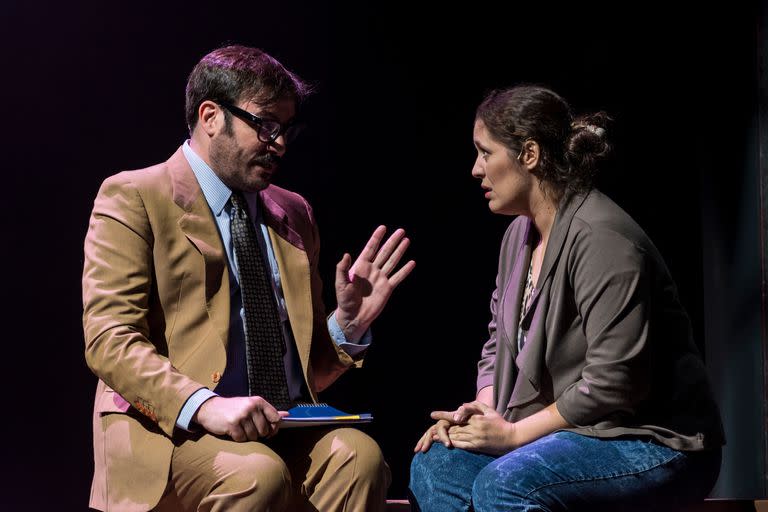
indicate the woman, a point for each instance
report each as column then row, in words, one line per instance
column 591, row 394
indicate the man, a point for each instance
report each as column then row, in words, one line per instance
column 203, row 316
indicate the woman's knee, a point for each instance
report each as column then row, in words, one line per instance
column 442, row 478
column 429, row 466
column 502, row 487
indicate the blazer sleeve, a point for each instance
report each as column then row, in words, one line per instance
column 117, row 301
column 610, row 279
column 487, row 363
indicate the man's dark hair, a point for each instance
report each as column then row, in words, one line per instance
column 233, row 73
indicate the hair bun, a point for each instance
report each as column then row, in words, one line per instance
column 597, row 130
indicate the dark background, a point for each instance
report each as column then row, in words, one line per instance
column 91, row 88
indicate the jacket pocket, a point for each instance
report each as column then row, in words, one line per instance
column 110, row 402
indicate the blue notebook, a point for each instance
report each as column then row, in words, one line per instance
column 305, row 415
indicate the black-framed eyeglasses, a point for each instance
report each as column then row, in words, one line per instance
column 267, row 130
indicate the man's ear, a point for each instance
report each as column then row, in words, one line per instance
column 529, row 154
column 210, row 117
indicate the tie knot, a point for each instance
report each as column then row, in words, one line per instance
column 239, row 202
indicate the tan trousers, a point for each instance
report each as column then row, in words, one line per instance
column 303, row 469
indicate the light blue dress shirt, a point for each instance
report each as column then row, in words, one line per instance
column 234, row 381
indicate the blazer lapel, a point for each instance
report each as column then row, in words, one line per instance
column 560, row 228
column 530, row 359
column 509, row 313
column 199, row 226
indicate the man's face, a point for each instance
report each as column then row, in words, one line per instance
column 239, row 158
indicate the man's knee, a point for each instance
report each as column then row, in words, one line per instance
column 265, row 472
column 259, row 479
column 353, row 447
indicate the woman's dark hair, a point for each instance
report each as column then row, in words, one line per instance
column 571, row 149
column 233, row 73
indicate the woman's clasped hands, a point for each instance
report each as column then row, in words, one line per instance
column 474, row 426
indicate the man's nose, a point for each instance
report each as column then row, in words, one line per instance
column 279, row 145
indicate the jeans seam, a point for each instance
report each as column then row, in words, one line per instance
column 606, row 477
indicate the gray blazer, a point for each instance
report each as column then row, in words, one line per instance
column 607, row 338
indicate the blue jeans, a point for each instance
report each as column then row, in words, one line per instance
column 563, row 471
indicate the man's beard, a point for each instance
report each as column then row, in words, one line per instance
column 230, row 166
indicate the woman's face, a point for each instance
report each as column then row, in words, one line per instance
column 506, row 183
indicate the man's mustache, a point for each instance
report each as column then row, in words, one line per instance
column 269, row 160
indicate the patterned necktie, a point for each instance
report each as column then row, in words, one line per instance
column 264, row 342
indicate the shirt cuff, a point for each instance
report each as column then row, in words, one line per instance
column 190, row 408
column 353, row 349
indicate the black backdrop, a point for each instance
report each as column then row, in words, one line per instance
column 90, row 88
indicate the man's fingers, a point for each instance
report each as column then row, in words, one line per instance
column 275, row 426
column 342, row 269
column 389, row 247
column 369, row 251
column 263, row 426
column 237, row 433
column 401, row 274
column 388, row 265
column 270, row 413
column 249, row 429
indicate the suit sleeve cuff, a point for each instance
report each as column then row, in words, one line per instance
column 191, row 406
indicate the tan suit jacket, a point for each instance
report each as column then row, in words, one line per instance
column 156, row 316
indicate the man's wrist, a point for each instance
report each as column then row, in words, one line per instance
column 349, row 328
column 189, row 411
column 346, row 327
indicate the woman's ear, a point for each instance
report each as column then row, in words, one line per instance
column 529, row 154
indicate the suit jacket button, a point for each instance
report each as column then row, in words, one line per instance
column 216, row 377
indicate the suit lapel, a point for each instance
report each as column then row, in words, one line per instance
column 199, row 226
